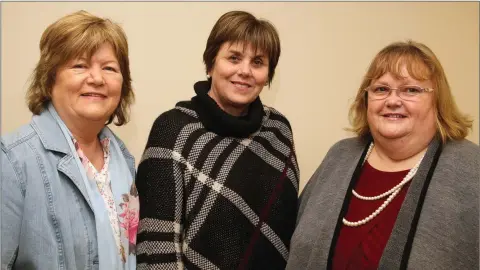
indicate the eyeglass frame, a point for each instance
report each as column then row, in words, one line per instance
column 424, row 90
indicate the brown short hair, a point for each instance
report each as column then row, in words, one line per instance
column 68, row 38
column 421, row 64
column 241, row 26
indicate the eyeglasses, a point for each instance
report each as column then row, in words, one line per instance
column 405, row 92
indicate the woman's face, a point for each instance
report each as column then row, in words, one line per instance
column 88, row 89
column 238, row 76
column 395, row 118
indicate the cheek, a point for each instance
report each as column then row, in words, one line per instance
column 261, row 77
column 64, row 90
column 428, row 116
column 222, row 71
column 374, row 107
column 370, row 115
column 423, row 111
column 116, row 85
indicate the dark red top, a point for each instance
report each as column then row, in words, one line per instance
column 361, row 247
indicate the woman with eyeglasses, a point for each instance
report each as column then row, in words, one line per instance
column 404, row 192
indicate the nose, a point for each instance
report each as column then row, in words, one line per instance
column 245, row 69
column 393, row 99
column 96, row 76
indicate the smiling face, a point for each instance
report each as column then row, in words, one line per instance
column 395, row 118
column 238, row 77
column 88, row 89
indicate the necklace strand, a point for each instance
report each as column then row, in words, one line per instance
column 390, row 193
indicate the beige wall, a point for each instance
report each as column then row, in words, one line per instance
column 326, row 48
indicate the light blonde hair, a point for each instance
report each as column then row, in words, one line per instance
column 68, row 38
column 421, row 64
column 241, row 26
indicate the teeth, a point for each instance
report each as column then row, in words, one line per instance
column 241, row 85
column 238, row 83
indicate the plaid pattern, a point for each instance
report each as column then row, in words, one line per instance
column 202, row 195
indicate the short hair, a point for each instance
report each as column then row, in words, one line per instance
column 68, row 38
column 421, row 64
column 241, row 26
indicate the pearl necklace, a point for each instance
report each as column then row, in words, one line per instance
column 392, row 192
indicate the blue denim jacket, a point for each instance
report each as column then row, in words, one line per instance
column 46, row 217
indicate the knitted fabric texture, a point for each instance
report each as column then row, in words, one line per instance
column 203, row 196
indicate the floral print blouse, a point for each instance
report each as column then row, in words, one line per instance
column 124, row 216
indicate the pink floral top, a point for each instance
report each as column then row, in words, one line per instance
column 125, row 224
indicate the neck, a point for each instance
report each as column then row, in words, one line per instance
column 397, row 154
column 84, row 131
column 224, row 122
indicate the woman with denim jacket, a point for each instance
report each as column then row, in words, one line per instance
column 68, row 195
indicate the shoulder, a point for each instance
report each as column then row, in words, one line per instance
column 275, row 115
column 168, row 125
column 17, row 137
column 346, row 147
column 342, row 156
column 462, row 156
column 182, row 114
column 463, row 149
column 123, row 147
column 22, row 145
column 20, row 151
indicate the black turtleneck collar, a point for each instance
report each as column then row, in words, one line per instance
column 222, row 123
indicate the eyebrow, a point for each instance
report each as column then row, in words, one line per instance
column 241, row 53
column 111, row 62
column 403, row 82
column 108, row 61
column 382, row 83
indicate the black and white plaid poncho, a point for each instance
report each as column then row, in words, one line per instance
column 216, row 202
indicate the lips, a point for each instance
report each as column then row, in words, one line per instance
column 97, row 95
column 394, row 115
column 241, row 84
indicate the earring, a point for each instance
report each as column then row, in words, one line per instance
column 208, row 77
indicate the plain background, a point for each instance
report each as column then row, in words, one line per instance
column 326, row 49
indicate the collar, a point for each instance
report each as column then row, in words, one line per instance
column 50, row 134
column 220, row 122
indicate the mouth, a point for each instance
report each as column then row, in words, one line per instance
column 394, row 116
column 241, row 85
column 93, row 95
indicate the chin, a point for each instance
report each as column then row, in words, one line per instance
column 392, row 135
column 241, row 100
column 96, row 116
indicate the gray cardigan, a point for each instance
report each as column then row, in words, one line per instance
column 446, row 235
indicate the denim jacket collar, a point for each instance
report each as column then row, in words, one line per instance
column 53, row 139
column 50, row 133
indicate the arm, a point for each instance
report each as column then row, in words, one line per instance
column 305, row 194
column 316, row 179
column 160, row 191
column 12, row 211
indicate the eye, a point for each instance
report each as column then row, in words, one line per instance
column 381, row 89
column 110, row 68
column 258, row 62
column 413, row 90
column 79, row 66
column 234, row 58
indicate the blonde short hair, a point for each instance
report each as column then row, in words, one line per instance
column 241, row 26
column 421, row 64
column 68, row 38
